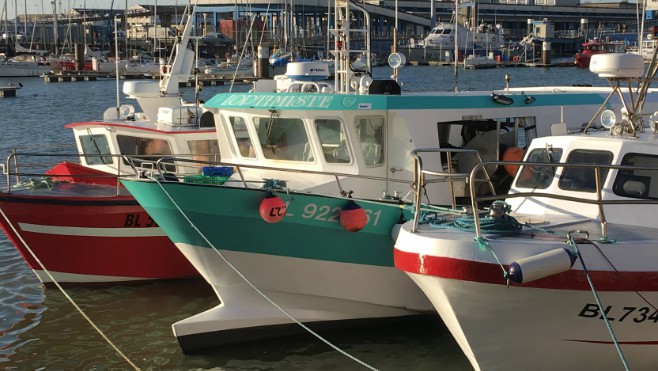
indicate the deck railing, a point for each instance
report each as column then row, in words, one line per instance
column 474, row 178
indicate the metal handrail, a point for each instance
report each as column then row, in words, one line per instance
column 12, row 165
column 420, row 180
column 239, row 169
column 475, row 200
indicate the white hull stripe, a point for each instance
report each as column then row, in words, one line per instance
column 92, row 232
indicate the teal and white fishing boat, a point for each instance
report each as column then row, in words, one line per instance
column 297, row 222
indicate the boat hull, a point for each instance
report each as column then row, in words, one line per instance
column 307, row 263
column 22, row 69
column 89, row 239
column 500, row 326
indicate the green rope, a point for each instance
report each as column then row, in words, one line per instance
column 43, row 182
column 574, row 245
column 484, row 246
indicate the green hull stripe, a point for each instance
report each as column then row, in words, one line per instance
column 230, row 219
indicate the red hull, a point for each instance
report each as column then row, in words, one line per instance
column 91, row 239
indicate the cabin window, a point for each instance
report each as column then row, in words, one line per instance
column 239, row 127
column 204, row 150
column 584, row 179
column 283, row 139
column 637, row 183
column 539, row 176
column 333, row 140
column 93, row 145
column 144, row 152
column 491, row 138
column 371, row 138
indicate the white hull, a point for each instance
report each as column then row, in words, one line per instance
column 513, row 334
column 22, row 69
column 311, row 291
column 552, row 323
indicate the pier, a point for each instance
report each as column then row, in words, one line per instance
column 203, row 80
column 9, row 90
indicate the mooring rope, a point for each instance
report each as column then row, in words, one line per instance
column 574, row 245
column 277, row 306
column 70, row 299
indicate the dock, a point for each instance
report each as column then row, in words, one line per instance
column 204, row 80
column 9, row 90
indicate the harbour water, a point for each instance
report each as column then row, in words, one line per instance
column 40, row 328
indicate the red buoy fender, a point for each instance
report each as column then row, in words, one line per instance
column 352, row 217
column 513, row 154
column 272, row 208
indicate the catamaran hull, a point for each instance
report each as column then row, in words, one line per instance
column 553, row 323
column 90, row 240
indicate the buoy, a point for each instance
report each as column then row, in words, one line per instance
column 353, row 218
column 541, row 265
column 272, row 208
column 513, row 154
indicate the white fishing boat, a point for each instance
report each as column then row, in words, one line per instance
column 314, row 143
column 560, row 273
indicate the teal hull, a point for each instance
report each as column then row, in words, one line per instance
column 228, row 218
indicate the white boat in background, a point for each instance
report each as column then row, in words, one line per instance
column 560, row 274
column 440, row 43
column 23, row 65
column 475, row 62
column 233, row 66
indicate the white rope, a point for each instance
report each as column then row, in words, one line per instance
column 277, row 306
column 70, row 299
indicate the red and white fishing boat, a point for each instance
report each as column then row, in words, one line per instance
column 596, row 46
column 561, row 275
column 84, row 228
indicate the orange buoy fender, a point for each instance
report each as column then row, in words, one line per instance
column 272, row 208
column 513, row 154
column 353, row 218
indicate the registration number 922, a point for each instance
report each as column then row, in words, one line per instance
column 330, row 214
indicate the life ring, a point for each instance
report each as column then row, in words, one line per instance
column 516, row 58
column 493, row 39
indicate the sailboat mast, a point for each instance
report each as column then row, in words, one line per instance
column 55, row 33
column 15, row 22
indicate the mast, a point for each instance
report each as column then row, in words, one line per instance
column 456, row 46
column 346, row 79
column 15, row 23
column 55, row 33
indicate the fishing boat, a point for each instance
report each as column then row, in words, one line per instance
column 560, row 273
column 596, row 46
column 72, row 222
column 297, row 160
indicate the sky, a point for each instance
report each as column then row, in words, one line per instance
column 45, row 6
